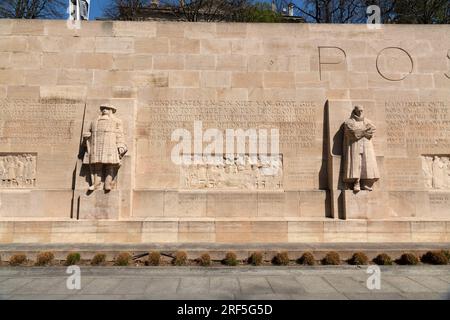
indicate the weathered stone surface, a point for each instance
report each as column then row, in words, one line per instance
column 281, row 81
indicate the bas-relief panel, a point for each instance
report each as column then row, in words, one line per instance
column 17, row 170
column 242, row 172
column 436, row 172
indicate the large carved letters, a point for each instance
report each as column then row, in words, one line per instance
column 448, row 57
column 391, row 50
column 329, row 63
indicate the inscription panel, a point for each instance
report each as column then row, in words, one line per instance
column 33, row 121
column 296, row 120
column 417, row 127
column 299, row 125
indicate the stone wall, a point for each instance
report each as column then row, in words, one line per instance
column 298, row 78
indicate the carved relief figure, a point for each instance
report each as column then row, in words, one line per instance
column 446, row 161
column 360, row 164
column 439, row 173
column 14, row 170
column 436, row 170
column 240, row 172
column 105, row 148
column 427, row 169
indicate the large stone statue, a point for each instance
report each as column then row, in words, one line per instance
column 360, row 164
column 105, row 148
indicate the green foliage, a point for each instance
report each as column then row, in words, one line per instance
column 358, row 258
column 44, row 258
column 99, row 259
column 72, row 258
column 307, row 259
column 204, row 260
column 17, row 259
column 281, row 259
column 154, row 258
column 383, row 259
column 122, row 259
column 180, row 258
column 331, row 258
column 435, row 257
column 256, row 258
column 261, row 12
column 230, row 259
column 408, row 259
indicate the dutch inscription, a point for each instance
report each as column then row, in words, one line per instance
column 297, row 121
column 43, row 122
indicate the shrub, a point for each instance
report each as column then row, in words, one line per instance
column 204, row 260
column 256, row 258
column 73, row 258
column 435, row 257
column 358, row 258
column 180, row 258
column 17, row 259
column 281, row 259
column 383, row 259
column 230, row 259
column 154, row 258
column 122, row 259
column 307, row 259
column 408, row 259
column 44, row 258
column 98, row 259
column 447, row 254
column 331, row 258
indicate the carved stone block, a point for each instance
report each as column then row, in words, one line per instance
column 99, row 205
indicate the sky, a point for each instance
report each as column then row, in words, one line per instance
column 97, row 7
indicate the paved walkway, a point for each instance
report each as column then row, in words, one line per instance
column 342, row 282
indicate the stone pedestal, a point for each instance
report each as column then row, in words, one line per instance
column 365, row 204
column 99, row 205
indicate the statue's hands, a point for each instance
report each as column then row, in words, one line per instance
column 121, row 150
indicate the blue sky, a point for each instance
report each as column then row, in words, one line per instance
column 97, row 7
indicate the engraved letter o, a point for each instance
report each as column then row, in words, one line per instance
column 401, row 50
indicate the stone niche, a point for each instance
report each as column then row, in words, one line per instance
column 412, row 184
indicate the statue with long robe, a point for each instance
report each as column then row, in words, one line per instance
column 360, row 163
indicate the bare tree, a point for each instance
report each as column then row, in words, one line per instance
column 210, row 10
column 33, row 9
column 183, row 10
column 125, row 9
column 422, row 11
column 331, row 11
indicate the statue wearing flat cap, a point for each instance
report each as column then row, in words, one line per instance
column 105, row 148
